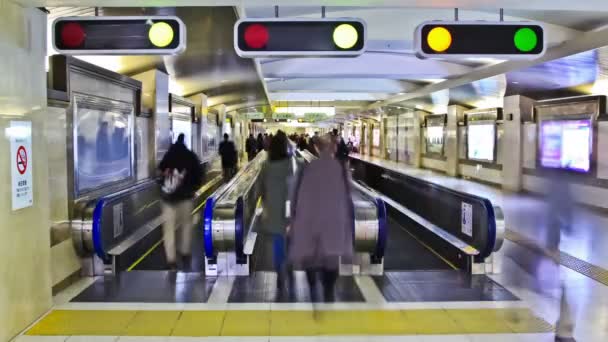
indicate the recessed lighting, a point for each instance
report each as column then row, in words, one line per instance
column 224, row 81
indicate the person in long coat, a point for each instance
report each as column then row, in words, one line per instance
column 321, row 233
column 275, row 176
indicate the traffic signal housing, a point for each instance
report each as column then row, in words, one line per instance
column 283, row 37
column 462, row 39
column 141, row 35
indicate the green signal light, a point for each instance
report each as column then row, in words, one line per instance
column 525, row 39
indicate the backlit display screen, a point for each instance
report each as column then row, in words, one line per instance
column 434, row 139
column 480, row 142
column 566, row 144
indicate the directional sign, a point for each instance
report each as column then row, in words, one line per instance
column 465, row 39
column 293, row 37
column 141, row 35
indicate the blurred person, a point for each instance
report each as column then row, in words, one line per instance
column 182, row 175
column 302, row 145
column 275, row 177
column 321, row 228
column 260, row 142
column 560, row 213
column 267, row 139
column 341, row 150
column 251, row 147
column 228, row 153
column 544, row 265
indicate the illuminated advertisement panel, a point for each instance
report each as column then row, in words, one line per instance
column 480, row 142
column 566, row 144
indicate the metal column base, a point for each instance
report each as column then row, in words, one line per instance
column 362, row 265
column 226, row 265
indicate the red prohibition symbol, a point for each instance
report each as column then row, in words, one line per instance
column 21, row 160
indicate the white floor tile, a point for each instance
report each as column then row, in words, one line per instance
column 370, row 291
column 92, row 339
column 512, row 337
column 73, row 290
column 248, row 306
column 142, row 339
column 26, row 338
column 221, row 290
column 445, row 338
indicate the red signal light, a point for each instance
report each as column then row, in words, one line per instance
column 256, row 36
column 72, row 35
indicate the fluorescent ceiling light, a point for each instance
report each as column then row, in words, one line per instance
column 301, row 111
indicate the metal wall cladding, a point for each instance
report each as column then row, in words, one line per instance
column 126, row 212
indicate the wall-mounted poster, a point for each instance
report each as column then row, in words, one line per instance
column 481, row 141
column 566, row 144
column 434, row 139
column 376, row 137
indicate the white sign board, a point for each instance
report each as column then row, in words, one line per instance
column 467, row 219
column 20, row 135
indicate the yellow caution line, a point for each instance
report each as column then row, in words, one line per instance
column 288, row 322
column 430, row 249
column 144, row 256
column 200, row 191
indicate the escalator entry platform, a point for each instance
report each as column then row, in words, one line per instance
column 260, row 287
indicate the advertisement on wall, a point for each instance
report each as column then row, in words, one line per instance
column 566, row 144
column 480, row 142
column 376, row 137
column 20, row 134
column 185, row 128
column 434, row 139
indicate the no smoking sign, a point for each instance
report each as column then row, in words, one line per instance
column 20, row 134
column 21, row 160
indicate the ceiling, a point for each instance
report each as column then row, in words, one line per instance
column 388, row 73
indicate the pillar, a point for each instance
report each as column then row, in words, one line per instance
column 25, row 247
column 515, row 107
column 455, row 114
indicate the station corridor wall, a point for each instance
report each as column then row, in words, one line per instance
column 25, row 276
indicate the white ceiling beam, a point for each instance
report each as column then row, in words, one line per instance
column 583, row 42
column 327, row 96
column 368, row 65
column 567, row 5
column 339, row 84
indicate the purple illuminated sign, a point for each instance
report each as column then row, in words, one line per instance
column 566, row 144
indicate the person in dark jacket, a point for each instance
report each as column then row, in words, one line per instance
column 229, row 157
column 260, row 141
column 182, row 176
column 275, row 175
column 342, row 149
column 251, row 147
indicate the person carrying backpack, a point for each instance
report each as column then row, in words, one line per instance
column 182, row 176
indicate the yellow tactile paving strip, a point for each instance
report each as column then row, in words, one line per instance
column 288, row 323
column 587, row 269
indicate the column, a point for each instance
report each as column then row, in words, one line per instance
column 455, row 114
column 25, row 252
column 512, row 147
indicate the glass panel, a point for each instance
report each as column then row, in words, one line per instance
column 142, row 147
column 185, row 128
column 102, row 143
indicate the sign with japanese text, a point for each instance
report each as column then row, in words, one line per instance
column 20, row 135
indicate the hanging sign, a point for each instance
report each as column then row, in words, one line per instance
column 283, row 116
column 314, row 117
column 20, row 135
column 255, row 116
